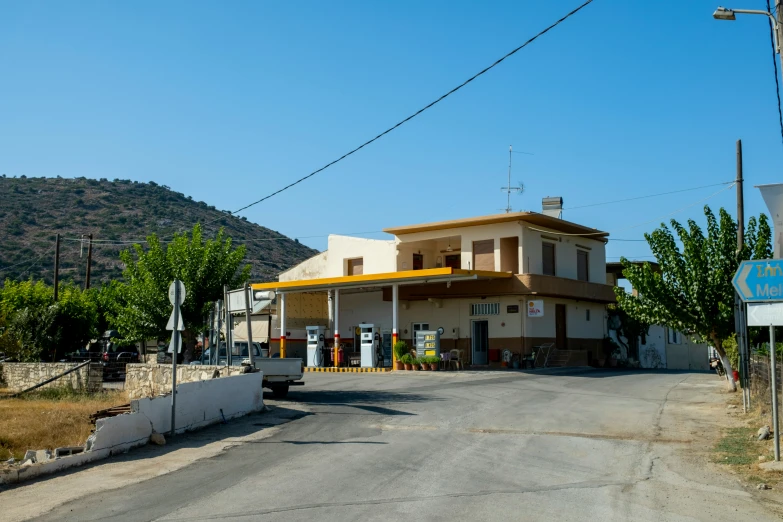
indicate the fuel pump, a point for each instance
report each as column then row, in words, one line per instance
column 315, row 345
column 370, row 345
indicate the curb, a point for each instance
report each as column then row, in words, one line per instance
column 346, row 370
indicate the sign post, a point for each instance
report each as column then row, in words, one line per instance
column 760, row 284
column 175, row 324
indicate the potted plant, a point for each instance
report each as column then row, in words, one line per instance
column 424, row 362
column 400, row 350
column 407, row 361
column 434, row 362
column 416, row 364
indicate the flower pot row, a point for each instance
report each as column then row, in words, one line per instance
column 407, row 362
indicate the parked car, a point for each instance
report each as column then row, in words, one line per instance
column 114, row 358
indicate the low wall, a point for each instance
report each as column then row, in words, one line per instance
column 198, row 404
column 151, row 380
column 20, row 376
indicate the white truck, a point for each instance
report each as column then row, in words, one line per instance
column 279, row 374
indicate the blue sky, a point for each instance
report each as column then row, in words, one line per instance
column 228, row 102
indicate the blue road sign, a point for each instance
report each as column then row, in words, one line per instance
column 758, row 281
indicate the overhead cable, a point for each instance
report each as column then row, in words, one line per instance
column 431, row 104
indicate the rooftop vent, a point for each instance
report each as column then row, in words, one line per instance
column 552, row 207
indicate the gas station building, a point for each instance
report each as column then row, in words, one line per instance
column 509, row 281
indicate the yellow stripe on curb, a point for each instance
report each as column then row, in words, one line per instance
column 347, row 370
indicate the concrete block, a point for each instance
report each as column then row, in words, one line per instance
column 67, row 451
column 120, row 433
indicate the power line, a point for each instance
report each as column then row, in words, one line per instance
column 387, row 131
column 775, row 66
column 3, row 269
column 649, row 196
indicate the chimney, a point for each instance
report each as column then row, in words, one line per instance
column 552, row 207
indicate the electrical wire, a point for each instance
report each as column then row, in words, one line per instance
column 648, row 196
column 586, row 234
column 3, row 269
column 390, row 129
column 775, row 66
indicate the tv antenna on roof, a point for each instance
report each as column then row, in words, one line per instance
column 508, row 189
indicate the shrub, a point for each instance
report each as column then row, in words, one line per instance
column 400, row 349
column 406, row 359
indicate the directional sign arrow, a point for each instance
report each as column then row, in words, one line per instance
column 765, row 314
column 760, row 280
column 180, row 323
column 178, row 340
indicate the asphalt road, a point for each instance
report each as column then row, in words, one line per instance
column 587, row 445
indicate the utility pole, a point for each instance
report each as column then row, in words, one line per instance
column 739, row 305
column 89, row 262
column 56, row 265
column 249, row 327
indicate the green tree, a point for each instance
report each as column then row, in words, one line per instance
column 42, row 328
column 141, row 307
column 692, row 292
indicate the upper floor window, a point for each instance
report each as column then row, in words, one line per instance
column 485, row 309
column 356, row 266
column 548, row 258
column 674, row 337
column 582, row 265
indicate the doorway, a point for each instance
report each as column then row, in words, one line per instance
column 480, row 342
column 418, row 262
column 560, row 327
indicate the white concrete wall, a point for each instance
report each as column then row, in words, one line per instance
column 199, row 403
column 577, row 325
column 379, row 256
column 652, row 354
column 312, row 268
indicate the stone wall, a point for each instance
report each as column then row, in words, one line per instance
column 151, row 380
column 20, row 376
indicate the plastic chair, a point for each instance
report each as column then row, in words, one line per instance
column 456, row 359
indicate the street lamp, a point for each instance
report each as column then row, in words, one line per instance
column 723, row 13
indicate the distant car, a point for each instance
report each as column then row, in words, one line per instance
column 114, row 358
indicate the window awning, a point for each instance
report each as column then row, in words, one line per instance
column 407, row 277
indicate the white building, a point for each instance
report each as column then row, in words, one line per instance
column 475, row 278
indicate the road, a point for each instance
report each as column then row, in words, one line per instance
column 583, row 445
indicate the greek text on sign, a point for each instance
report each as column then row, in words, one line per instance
column 761, row 280
column 535, row 308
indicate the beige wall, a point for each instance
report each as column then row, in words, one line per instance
column 454, row 314
column 259, row 324
column 565, row 254
column 467, row 236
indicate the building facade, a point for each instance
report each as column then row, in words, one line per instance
column 512, row 281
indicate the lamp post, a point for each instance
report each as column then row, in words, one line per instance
column 723, row 13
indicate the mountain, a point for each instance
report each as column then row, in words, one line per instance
column 34, row 210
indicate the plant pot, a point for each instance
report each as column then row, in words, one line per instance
column 398, row 365
column 408, row 366
column 434, row 367
column 415, row 367
column 425, row 367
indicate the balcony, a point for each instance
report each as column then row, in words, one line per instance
column 523, row 284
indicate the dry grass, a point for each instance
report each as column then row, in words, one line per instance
column 49, row 419
column 739, row 449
